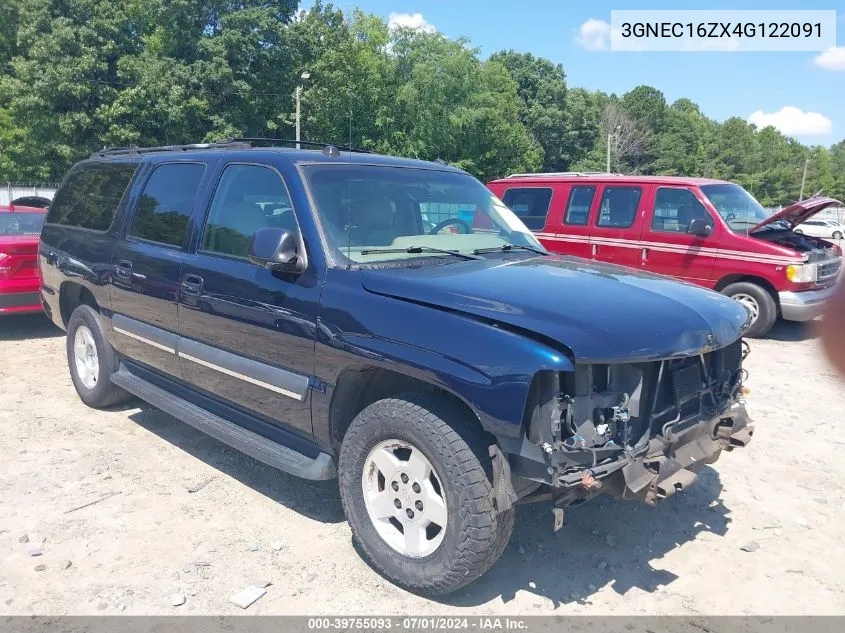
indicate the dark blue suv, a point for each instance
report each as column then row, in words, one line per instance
column 391, row 323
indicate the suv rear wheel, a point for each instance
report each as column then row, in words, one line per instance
column 92, row 360
column 758, row 302
column 415, row 482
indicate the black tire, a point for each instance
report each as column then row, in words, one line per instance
column 476, row 534
column 104, row 393
column 837, row 235
column 767, row 310
column 798, row 231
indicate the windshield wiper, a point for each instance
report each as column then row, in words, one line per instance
column 418, row 249
column 510, row 247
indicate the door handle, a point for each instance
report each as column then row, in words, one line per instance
column 595, row 249
column 644, row 255
column 123, row 269
column 191, row 284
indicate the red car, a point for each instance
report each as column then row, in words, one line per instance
column 707, row 232
column 20, row 229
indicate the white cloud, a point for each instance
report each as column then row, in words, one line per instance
column 793, row 122
column 414, row 21
column 831, row 59
column 594, row 35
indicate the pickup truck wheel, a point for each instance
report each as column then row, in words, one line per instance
column 758, row 302
column 92, row 360
column 415, row 484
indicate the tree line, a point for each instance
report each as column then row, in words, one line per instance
column 79, row 75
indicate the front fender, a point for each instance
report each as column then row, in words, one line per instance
column 488, row 367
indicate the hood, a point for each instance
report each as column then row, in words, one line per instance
column 601, row 312
column 800, row 211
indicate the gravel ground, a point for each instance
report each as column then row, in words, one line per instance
column 178, row 516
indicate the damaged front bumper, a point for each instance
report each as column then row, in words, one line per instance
column 670, row 465
column 635, row 431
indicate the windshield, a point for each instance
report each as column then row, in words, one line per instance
column 21, row 223
column 736, row 206
column 367, row 208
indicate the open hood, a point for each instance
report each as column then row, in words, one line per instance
column 800, row 211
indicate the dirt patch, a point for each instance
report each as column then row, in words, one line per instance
column 137, row 510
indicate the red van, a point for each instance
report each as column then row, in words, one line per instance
column 707, row 232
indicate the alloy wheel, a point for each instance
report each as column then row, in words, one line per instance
column 85, row 357
column 404, row 498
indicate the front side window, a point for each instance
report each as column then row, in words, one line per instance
column 531, row 205
column 365, row 210
column 91, row 194
column 166, row 203
column 737, row 207
column 248, row 198
column 674, row 209
column 579, row 204
column 618, row 207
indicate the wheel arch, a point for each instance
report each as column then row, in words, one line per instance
column 358, row 387
column 764, row 283
column 71, row 296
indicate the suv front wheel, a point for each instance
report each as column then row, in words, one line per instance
column 415, row 482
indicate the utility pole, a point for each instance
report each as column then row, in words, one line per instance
column 609, row 137
column 804, row 178
column 304, row 77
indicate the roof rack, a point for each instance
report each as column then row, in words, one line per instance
column 558, row 174
column 232, row 143
column 275, row 141
column 118, row 151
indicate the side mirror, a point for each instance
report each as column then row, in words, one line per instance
column 700, row 227
column 277, row 250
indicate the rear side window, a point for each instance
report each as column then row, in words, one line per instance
column 91, row 194
column 579, row 204
column 618, row 207
column 674, row 209
column 166, row 203
column 530, row 204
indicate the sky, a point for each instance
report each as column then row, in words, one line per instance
column 800, row 93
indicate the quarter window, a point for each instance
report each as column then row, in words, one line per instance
column 91, row 194
column 248, row 198
column 166, row 203
column 530, row 204
column 618, row 208
column 579, row 204
column 674, row 209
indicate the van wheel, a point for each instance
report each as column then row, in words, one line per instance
column 415, row 482
column 92, row 360
column 758, row 302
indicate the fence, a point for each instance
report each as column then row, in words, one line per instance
column 12, row 190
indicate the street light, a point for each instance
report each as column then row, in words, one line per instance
column 610, row 136
column 305, row 76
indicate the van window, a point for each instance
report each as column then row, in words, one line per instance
column 578, row 207
column 618, row 207
column 530, row 204
column 674, row 209
column 166, row 203
column 248, row 198
column 91, row 194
